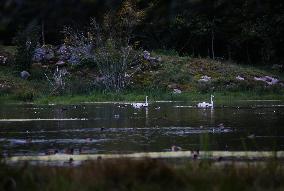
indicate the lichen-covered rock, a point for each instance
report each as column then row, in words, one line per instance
column 44, row 53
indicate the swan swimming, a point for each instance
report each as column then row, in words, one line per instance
column 140, row 105
column 206, row 105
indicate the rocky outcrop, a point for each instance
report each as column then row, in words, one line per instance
column 44, row 53
column 74, row 55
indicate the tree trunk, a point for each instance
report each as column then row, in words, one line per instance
column 42, row 33
column 248, row 56
column 212, row 44
column 229, row 52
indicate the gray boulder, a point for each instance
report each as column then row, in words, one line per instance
column 25, row 75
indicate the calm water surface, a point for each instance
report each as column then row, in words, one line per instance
column 119, row 128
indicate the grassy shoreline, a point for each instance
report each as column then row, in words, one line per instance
column 129, row 96
column 157, row 82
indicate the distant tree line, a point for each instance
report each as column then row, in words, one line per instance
column 247, row 31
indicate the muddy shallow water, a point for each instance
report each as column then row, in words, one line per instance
column 119, row 128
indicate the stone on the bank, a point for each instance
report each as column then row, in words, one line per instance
column 177, row 91
column 205, row 79
column 25, row 75
column 240, row 78
column 267, row 79
column 147, row 56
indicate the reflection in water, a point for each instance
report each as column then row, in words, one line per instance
column 146, row 117
column 59, row 114
column 212, row 118
column 107, row 128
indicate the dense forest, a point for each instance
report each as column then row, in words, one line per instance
column 246, row 31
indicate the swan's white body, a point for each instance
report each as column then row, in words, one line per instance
column 206, row 105
column 140, row 105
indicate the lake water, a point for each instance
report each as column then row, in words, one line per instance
column 119, row 128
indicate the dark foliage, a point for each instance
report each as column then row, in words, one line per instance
column 248, row 31
column 26, row 42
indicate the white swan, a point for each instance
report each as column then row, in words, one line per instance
column 206, row 105
column 140, row 105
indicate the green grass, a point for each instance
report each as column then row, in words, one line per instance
column 220, row 97
column 134, row 95
column 17, row 90
column 146, row 174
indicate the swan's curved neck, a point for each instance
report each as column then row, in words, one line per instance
column 212, row 100
column 146, row 99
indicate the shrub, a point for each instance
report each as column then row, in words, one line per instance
column 77, row 46
column 114, row 53
column 106, row 47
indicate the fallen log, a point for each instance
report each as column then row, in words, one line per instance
column 155, row 155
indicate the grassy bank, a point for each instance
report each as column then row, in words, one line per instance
column 147, row 174
column 131, row 96
column 220, row 97
column 158, row 81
